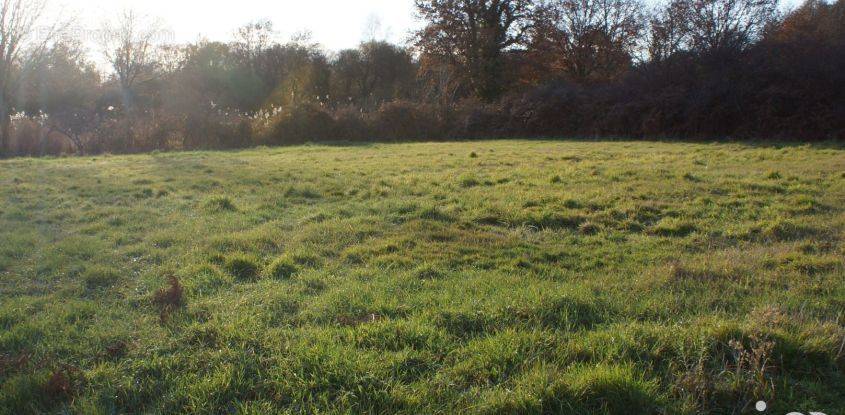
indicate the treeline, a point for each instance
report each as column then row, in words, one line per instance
column 687, row 69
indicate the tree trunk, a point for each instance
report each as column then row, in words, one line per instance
column 5, row 134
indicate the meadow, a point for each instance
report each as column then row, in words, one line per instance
column 468, row 277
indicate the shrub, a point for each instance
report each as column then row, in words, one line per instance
column 170, row 299
column 400, row 120
column 301, row 124
column 349, row 124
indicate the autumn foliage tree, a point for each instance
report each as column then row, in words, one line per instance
column 471, row 37
column 588, row 40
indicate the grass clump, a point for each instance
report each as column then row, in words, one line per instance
column 217, row 204
column 282, row 269
column 692, row 178
column 612, row 389
column 428, row 272
column 589, row 228
column 99, row 276
column 302, row 193
column 785, row 230
column 467, row 181
column 673, row 227
column 242, row 267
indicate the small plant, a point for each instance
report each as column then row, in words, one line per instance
column 473, row 155
column 752, row 369
column 170, row 299
column 282, row 269
column 774, row 175
column 556, row 179
column 242, row 267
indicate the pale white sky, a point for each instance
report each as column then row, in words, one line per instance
column 335, row 24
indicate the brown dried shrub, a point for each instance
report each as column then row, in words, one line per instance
column 170, row 299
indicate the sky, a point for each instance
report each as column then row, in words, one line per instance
column 335, row 24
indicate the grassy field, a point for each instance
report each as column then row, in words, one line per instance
column 479, row 277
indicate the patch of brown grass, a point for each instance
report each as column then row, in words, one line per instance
column 60, row 385
column 170, row 299
column 10, row 363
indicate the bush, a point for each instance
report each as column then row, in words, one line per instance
column 350, row 125
column 302, row 123
column 170, row 299
column 29, row 139
column 401, row 120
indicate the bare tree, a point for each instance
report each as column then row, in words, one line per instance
column 253, row 39
column 728, row 25
column 590, row 39
column 668, row 30
column 22, row 42
column 373, row 29
column 473, row 35
column 128, row 43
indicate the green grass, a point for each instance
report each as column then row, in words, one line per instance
column 479, row 277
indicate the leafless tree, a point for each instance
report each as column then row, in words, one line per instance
column 732, row 25
column 128, row 43
column 668, row 30
column 473, row 35
column 253, row 39
column 22, row 42
column 590, row 39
